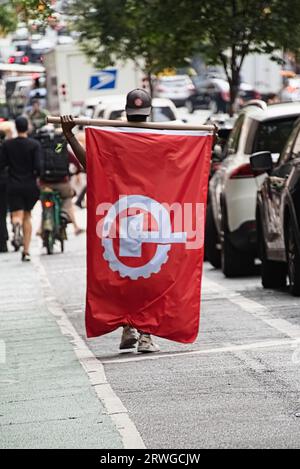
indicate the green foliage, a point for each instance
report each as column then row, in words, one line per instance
column 33, row 9
column 164, row 33
column 235, row 28
column 22, row 10
column 132, row 29
column 8, row 19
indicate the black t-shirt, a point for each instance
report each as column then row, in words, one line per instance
column 22, row 156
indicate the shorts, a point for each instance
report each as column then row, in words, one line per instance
column 22, row 198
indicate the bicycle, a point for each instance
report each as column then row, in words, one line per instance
column 54, row 220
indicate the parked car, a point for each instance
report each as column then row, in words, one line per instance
column 177, row 88
column 232, row 190
column 225, row 125
column 278, row 215
column 214, row 93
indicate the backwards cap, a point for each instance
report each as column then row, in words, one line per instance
column 138, row 103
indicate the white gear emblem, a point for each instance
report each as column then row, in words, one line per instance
column 132, row 236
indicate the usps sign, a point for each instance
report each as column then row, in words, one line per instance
column 103, row 80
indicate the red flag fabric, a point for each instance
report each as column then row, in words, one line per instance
column 146, row 194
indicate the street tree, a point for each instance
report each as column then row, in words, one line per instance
column 8, row 18
column 22, row 10
column 152, row 33
column 162, row 34
column 235, row 28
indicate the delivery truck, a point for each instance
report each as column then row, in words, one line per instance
column 263, row 73
column 72, row 79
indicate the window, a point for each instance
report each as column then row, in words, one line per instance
column 101, row 114
column 162, row 114
column 272, row 135
column 117, row 115
column 286, row 152
column 296, row 149
column 234, row 138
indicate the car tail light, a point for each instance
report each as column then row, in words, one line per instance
column 11, row 60
column 25, row 59
column 48, row 203
column 225, row 96
column 191, row 87
column 243, row 171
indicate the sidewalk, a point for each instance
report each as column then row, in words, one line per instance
column 46, row 398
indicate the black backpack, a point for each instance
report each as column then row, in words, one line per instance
column 55, row 159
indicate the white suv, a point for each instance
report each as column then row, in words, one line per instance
column 231, row 229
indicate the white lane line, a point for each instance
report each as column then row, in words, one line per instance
column 131, row 438
column 227, row 349
column 253, row 307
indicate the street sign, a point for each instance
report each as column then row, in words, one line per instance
column 103, row 80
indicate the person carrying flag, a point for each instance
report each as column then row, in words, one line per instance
column 138, row 109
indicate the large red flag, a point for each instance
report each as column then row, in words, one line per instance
column 147, row 194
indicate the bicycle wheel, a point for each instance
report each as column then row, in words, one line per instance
column 49, row 242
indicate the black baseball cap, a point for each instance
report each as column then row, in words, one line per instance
column 138, row 103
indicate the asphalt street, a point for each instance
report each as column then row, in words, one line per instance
column 236, row 386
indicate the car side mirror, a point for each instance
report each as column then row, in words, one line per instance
column 261, row 162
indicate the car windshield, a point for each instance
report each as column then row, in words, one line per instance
column 272, row 135
column 162, row 114
column 117, row 114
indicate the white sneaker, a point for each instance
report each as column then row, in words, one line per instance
column 129, row 338
column 146, row 345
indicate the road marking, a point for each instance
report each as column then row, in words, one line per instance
column 131, row 438
column 253, row 307
column 225, row 349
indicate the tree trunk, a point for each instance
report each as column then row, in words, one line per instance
column 150, row 84
column 234, row 89
column 234, row 85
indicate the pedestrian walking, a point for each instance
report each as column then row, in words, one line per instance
column 37, row 116
column 22, row 157
column 138, row 109
column 3, row 201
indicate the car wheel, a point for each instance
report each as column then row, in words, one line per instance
column 189, row 105
column 273, row 274
column 234, row 263
column 213, row 255
column 293, row 258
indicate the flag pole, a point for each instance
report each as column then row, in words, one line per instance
column 143, row 125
